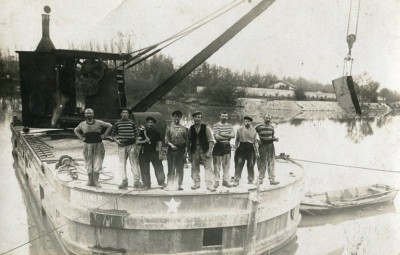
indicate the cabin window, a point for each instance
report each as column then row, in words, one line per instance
column 212, row 236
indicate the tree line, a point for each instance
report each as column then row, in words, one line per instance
column 216, row 80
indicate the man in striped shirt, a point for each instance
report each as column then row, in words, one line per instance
column 124, row 133
column 266, row 133
column 223, row 133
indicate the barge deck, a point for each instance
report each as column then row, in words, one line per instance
column 107, row 220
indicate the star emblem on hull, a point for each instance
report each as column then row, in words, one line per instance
column 172, row 206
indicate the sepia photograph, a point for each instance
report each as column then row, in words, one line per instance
column 236, row 127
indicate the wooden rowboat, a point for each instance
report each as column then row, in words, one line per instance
column 332, row 201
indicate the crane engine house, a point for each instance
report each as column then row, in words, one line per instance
column 57, row 85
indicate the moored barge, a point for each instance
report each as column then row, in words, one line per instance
column 107, row 220
column 56, row 86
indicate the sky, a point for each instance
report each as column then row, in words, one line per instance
column 291, row 38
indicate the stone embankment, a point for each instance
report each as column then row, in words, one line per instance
column 308, row 109
column 289, row 105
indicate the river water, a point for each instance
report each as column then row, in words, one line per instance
column 371, row 142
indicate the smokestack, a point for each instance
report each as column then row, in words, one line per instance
column 45, row 44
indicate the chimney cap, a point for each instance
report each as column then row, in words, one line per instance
column 47, row 9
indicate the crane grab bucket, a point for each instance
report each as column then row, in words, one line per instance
column 346, row 94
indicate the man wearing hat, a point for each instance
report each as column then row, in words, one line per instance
column 266, row 133
column 200, row 146
column 176, row 137
column 125, row 134
column 151, row 152
column 246, row 150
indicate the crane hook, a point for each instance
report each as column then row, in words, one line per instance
column 351, row 39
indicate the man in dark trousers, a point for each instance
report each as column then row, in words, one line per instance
column 266, row 133
column 125, row 134
column 246, row 150
column 176, row 137
column 151, row 152
column 89, row 131
column 200, row 146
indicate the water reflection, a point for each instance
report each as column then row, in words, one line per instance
column 9, row 104
column 333, row 234
column 296, row 122
column 346, row 215
column 358, row 129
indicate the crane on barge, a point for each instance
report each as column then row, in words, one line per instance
column 56, row 85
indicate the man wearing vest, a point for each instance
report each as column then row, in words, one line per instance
column 200, row 146
column 246, row 150
column 125, row 134
column 266, row 133
column 176, row 137
column 151, row 152
column 223, row 133
column 89, row 131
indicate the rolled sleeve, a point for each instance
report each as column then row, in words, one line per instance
column 209, row 133
column 167, row 135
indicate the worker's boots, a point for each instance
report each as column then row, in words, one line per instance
column 124, row 184
column 273, row 182
column 96, row 180
column 90, row 180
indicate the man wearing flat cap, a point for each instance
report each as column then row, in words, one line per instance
column 125, row 134
column 200, row 146
column 151, row 153
column 266, row 161
column 246, row 150
column 176, row 137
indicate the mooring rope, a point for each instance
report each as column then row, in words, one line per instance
column 349, row 166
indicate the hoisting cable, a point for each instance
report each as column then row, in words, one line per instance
column 349, row 166
column 65, row 224
column 187, row 28
column 351, row 38
column 181, row 33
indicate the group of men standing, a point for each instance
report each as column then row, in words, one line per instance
column 202, row 144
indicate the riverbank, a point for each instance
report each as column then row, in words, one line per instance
column 323, row 108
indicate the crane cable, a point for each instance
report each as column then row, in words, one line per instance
column 180, row 34
column 187, row 28
column 176, row 39
column 349, row 166
column 351, row 38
